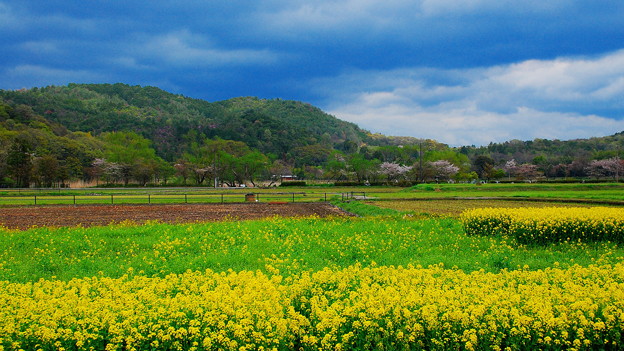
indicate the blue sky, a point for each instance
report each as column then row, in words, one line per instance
column 459, row 71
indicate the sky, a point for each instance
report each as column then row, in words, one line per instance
column 462, row 72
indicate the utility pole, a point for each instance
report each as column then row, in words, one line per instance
column 420, row 160
column 214, row 169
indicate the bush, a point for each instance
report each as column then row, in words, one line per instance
column 294, row 183
column 348, row 183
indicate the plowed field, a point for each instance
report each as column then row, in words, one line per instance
column 61, row 216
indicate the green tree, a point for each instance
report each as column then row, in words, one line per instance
column 74, row 168
column 336, row 167
column 484, row 166
column 253, row 164
column 133, row 155
column 19, row 163
column 315, row 154
column 47, row 170
column 362, row 168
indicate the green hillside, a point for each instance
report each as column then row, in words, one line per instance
column 121, row 134
column 172, row 121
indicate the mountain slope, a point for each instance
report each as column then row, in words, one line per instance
column 173, row 121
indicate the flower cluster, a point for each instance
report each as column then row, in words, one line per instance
column 356, row 308
column 547, row 225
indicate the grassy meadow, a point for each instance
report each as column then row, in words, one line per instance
column 600, row 192
column 395, row 278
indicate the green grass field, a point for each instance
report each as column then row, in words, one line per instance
column 391, row 232
column 397, row 277
column 579, row 191
column 380, row 237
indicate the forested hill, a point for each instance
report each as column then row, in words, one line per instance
column 172, row 122
column 553, row 151
column 120, row 133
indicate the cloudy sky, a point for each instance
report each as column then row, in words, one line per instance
column 459, row 71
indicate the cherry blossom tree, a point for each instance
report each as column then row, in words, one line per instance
column 511, row 167
column 528, row 172
column 393, row 171
column 610, row 167
column 443, row 169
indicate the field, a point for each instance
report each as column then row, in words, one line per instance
column 87, row 216
column 596, row 193
column 403, row 275
column 454, row 207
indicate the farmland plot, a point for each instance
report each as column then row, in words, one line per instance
column 341, row 283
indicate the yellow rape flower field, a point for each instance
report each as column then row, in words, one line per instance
column 549, row 224
column 391, row 282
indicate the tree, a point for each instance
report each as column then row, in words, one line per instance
column 578, row 168
column 393, row 171
column 73, row 168
column 144, row 170
column 467, row 176
column 611, row 167
column 111, row 171
column 253, row 165
column 47, row 170
column 228, row 161
column 484, row 165
column 19, row 162
column 315, row 154
column 511, row 167
column 362, row 168
column 348, row 147
column 527, row 171
column 443, row 169
column 132, row 156
column 278, row 169
column 182, row 169
column 336, row 167
column 497, row 173
column 560, row 170
column 226, row 156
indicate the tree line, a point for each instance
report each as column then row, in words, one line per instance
column 126, row 158
column 116, row 134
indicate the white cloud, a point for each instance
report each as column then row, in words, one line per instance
column 36, row 76
column 300, row 19
column 468, row 126
column 564, row 79
column 8, row 18
column 41, row 47
column 447, row 7
column 526, row 100
column 17, row 18
column 183, row 48
column 294, row 17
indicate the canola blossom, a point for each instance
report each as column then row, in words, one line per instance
column 547, row 225
column 355, row 308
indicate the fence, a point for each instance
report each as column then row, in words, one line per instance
column 136, row 199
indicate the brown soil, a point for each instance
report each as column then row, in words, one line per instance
column 61, row 216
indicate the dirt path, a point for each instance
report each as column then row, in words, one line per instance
column 60, row 216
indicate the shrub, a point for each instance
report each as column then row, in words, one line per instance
column 294, row 183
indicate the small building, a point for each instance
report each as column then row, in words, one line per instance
column 287, row 178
